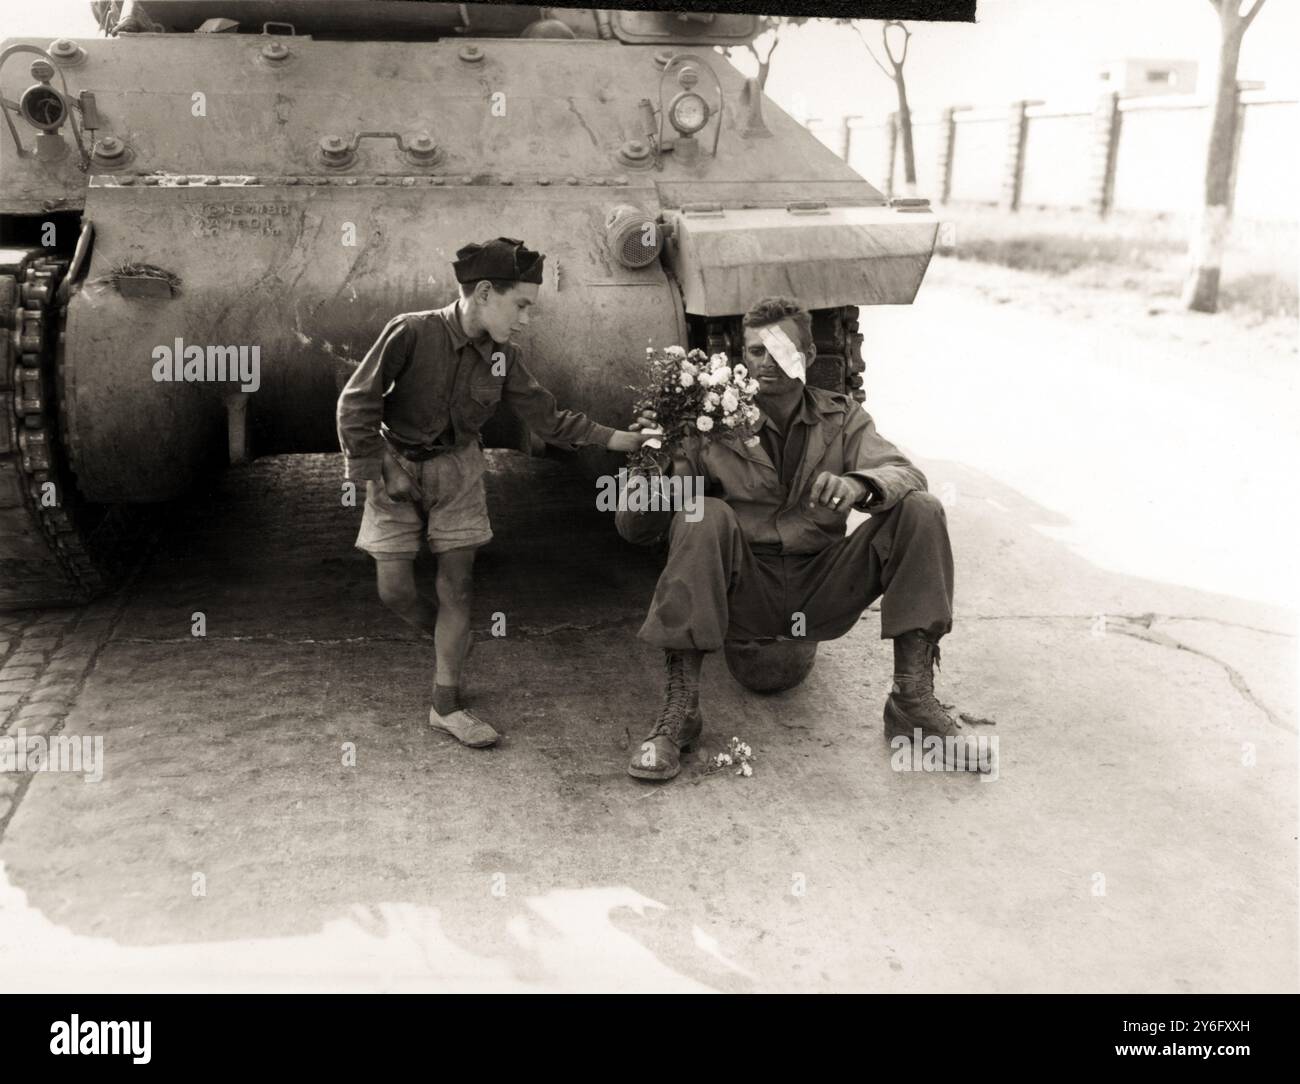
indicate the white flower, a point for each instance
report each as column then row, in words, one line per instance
column 718, row 361
column 705, row 380
column 746, row 770
column 685, row 380
column 751, row 387
column 730, row 421
column 703, row 423
column 723, row 759
column 739, row 372
column 722, row 375
column 711, row 400
column 687, row 367
column 730, row 400
column 752, row 414
column 674, row 351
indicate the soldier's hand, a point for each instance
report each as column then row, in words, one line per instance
column 836, row 492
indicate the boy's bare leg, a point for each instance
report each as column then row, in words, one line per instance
column 455, row 583
column 398, row 592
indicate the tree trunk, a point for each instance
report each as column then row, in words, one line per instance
column 905, row 128
column 1201, row 291
column 764, row 66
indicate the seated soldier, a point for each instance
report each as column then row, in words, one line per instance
column 770, row 555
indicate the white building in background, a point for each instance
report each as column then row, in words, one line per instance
column 1135, row 76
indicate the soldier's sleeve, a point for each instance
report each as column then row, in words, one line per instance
column 568, row 429
column 889, row 475
column 647, row 528
column 361, row 403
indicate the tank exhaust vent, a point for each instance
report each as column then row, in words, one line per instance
column 634, row 237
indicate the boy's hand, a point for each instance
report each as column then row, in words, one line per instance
column 644, row 429
column 397, row 483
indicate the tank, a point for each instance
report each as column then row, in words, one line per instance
column 211, row 184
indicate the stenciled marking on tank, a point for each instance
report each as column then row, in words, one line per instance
column 222, row 217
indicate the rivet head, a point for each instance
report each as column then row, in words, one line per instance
column 62, row 47
column 109, row 147
column 379, row 180
column 543, row 181
column 275, row 50
column 471, row 54
column 407, row 182
column 182, row 180
column 570, row 180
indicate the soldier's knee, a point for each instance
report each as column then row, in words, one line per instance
column 706, row 513
column 925, row 504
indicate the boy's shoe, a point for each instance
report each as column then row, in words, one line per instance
column 466, row 727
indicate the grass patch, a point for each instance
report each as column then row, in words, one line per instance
column 1145, row 253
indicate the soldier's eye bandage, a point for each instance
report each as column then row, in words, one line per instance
column 784, row 352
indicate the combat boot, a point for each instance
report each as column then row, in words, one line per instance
column 912, row 705
column 679, row 724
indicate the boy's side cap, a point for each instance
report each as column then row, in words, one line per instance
column 502, row 258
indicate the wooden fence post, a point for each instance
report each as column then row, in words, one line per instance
column 947, row 144
column 1014, row 173
column 1106, row 122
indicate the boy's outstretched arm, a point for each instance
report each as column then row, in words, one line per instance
column 569, row 429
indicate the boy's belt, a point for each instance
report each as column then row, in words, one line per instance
column 414, row 452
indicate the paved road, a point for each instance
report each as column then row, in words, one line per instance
column 1140, row 834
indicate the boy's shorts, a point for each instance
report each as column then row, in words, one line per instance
column 453, row 514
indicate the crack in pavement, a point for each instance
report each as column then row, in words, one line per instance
column 1234, row 675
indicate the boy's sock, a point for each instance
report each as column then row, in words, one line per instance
column 446, row 699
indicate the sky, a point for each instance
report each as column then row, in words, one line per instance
column 1047, row 49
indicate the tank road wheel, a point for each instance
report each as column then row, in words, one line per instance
column 45, row 529
column 770, row 666
column 839, row 365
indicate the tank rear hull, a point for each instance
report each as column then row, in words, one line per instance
column 271, row 267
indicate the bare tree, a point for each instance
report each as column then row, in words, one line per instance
column 895, row 72
column 1201, row 291
column 773, row 24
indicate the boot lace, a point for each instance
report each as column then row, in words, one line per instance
column 677, row 701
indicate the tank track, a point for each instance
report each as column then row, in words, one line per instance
column 839, row 365
column 45, row 557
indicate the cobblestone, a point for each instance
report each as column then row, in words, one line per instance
column 8, row 701
column 40, row 643
column 52, row 694
column 19, row 673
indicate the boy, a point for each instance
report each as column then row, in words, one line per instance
column 409, row 421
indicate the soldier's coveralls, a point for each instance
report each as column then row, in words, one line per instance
column 422, row 394
column 759, row 556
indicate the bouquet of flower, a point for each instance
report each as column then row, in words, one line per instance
column 692, row 393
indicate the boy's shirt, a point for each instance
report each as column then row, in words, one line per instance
column 426, row 384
